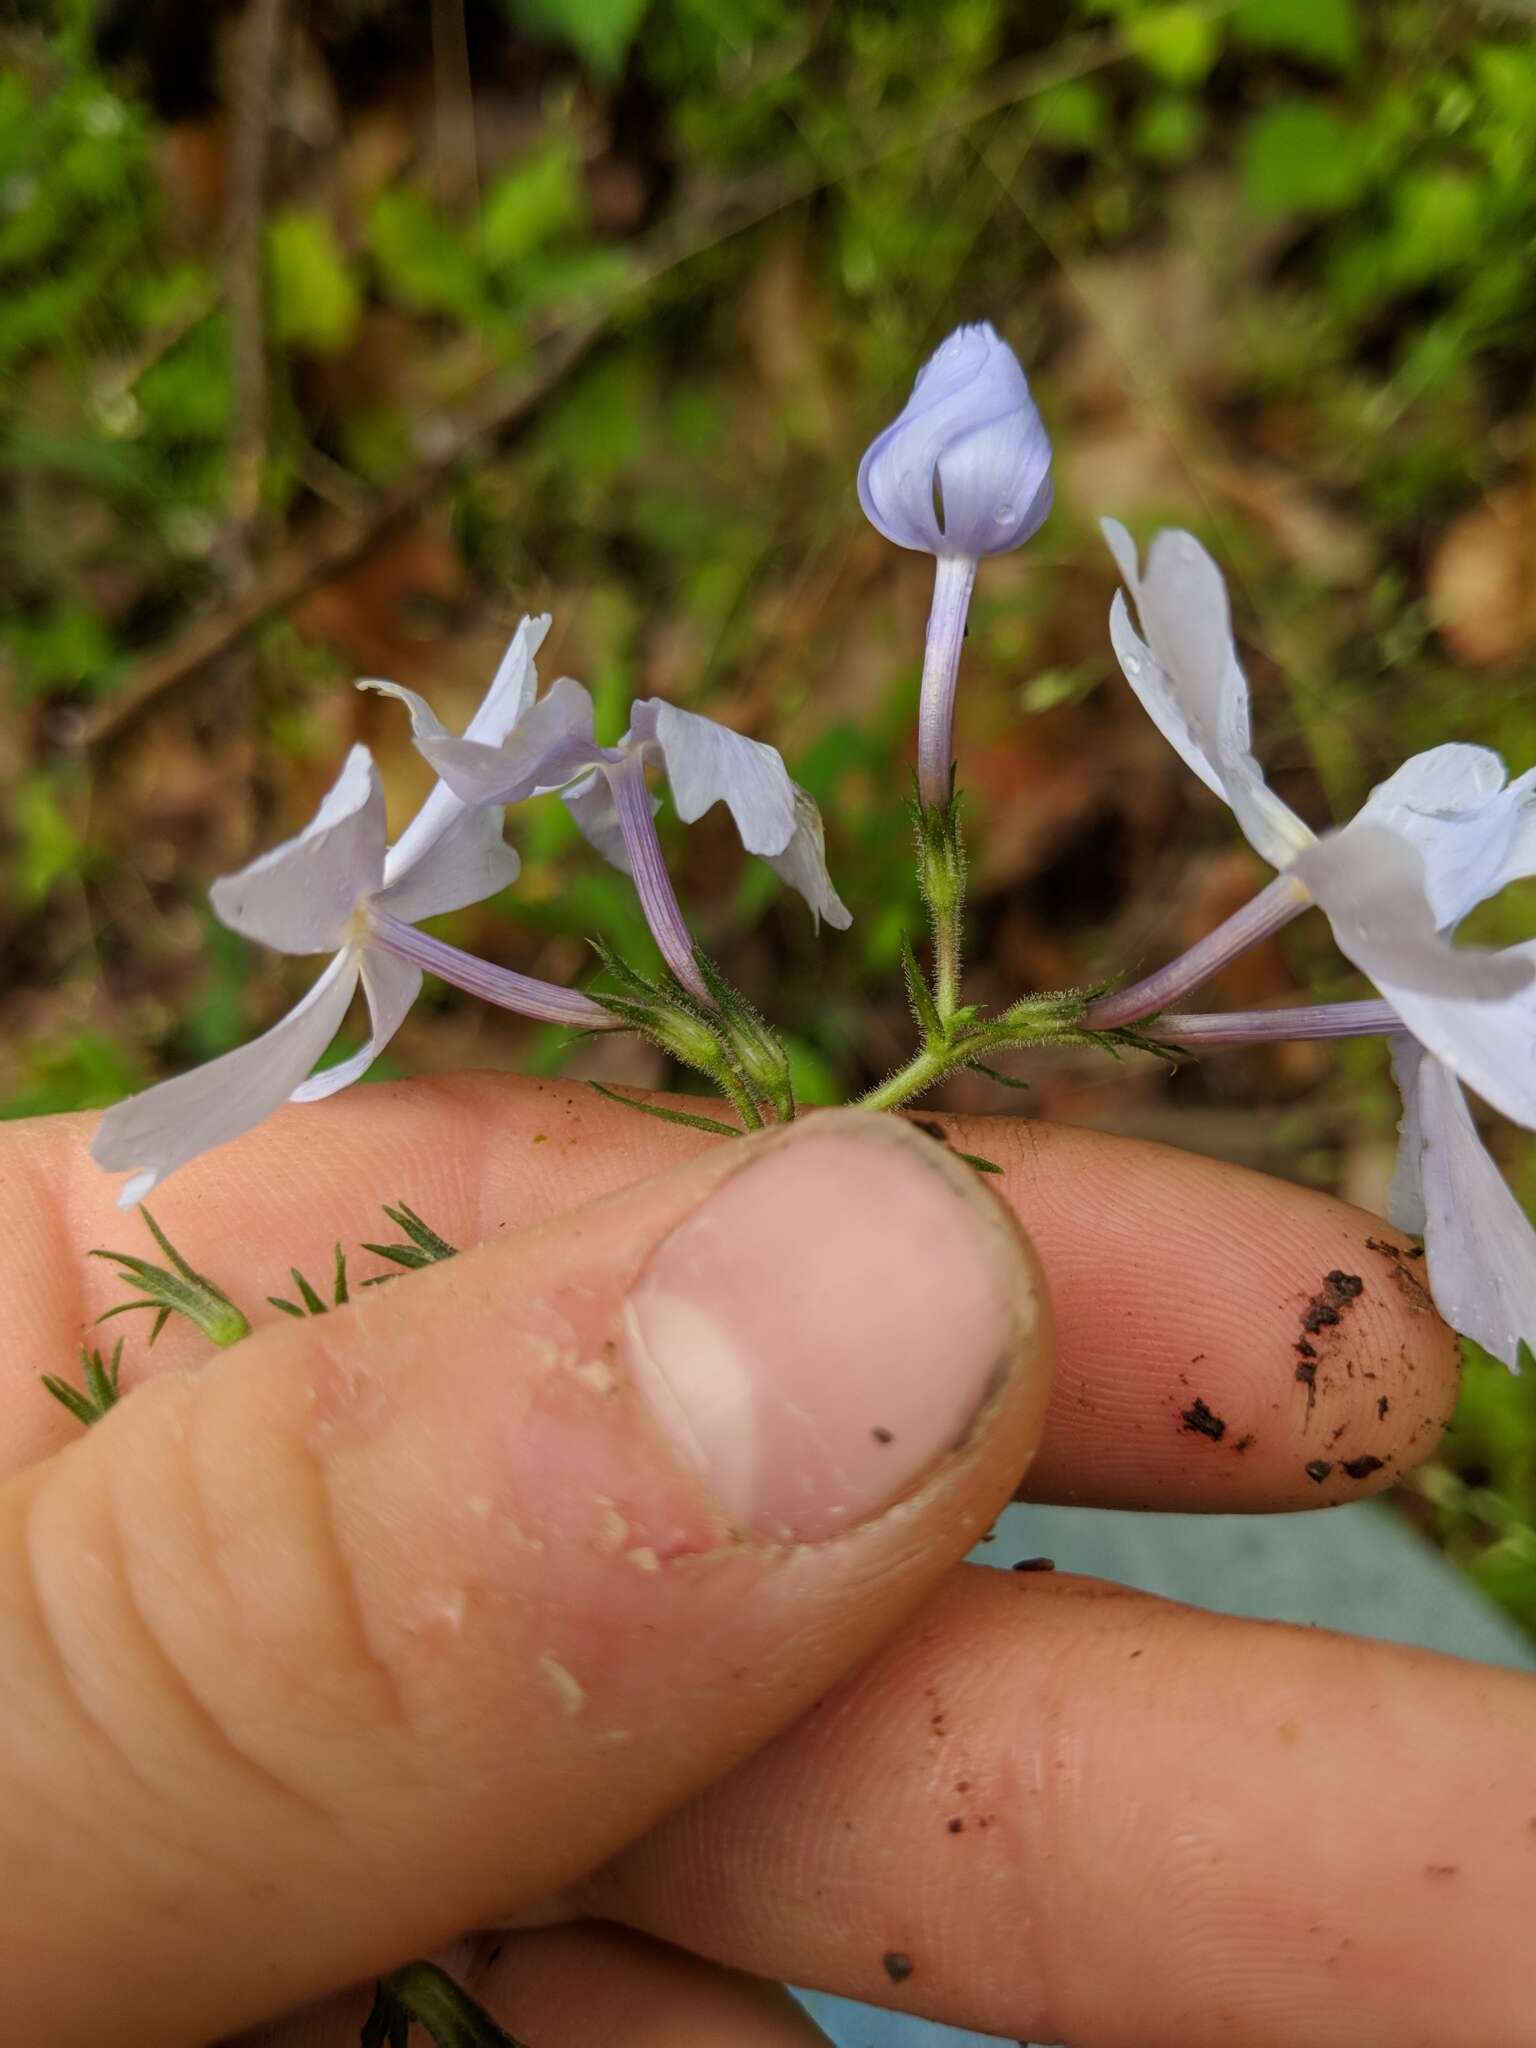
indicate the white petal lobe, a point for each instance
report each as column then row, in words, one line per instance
column 391, row 986
column 465, row 861
column 707, row 764
column 153, row 1133
column 299, row 898
column 1480, row 1247
column 803, row 864
column 552, row 743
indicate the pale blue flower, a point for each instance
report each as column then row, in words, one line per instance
column 1446, row 832
column 339, row 888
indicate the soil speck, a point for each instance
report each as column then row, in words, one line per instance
column 957, row 1826
column 1318, row 1470
column 1035, row 1564
column 1362, row 1467
column 882, row 1436
column 897, row 1965
column 1200, row 1421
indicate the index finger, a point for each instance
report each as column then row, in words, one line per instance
column 1225, row 1341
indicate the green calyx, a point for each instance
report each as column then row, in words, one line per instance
column 725, row 1040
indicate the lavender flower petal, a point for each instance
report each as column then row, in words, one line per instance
column 153, row 1133
column 1472, row 827
column 1190, row 682
column 299, row 898
column 590, row 803
column 390, row 987
column 1405, row 1197
column 552, row 743
column 706, row 763
column 1481, row 1250
column 464, row 862
column 452, row 863
column 803, row 864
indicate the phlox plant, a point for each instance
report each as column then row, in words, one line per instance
column 962, row 472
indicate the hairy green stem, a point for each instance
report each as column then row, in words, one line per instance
column 931, row 1064
column 946, row 963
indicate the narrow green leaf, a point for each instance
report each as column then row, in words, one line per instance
column 170, row 1250
column 101, row 1385
column 411, row 1256
column 307, row 1294
column 289, row 1308
column 421, row 1234
column 70, row 1398
column 339, row 1293
column 981, row 1165
column 920, row 996
column 668, row 1116
column 995, row 1074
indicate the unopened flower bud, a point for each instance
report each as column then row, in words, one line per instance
column 965, row 469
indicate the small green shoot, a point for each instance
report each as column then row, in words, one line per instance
column 312, row 1303
column 177, row 1290
column 425, row 1248
column 101, row 1388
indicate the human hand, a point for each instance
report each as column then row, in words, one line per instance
column 242, row 1775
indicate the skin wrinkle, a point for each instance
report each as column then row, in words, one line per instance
column 137, row 1604
column 348, row 1640
column 45, row 1637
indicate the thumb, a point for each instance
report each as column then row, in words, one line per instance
column 400, row 1619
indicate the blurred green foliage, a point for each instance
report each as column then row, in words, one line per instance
column 771, row 210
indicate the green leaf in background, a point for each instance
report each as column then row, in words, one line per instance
column 599, row 31
column 1435, row 224
column 316, row 302
column 46, row 844
column 1072, row 115
column 420, row 255
column 532, row 206
column 1299, row 157
column 1323, row 31
column 1178, row 44
column 1170, row 128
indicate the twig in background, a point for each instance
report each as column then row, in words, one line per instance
column 455, row 152
column 257, row 51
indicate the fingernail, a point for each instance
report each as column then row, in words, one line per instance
column 829, row 1325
